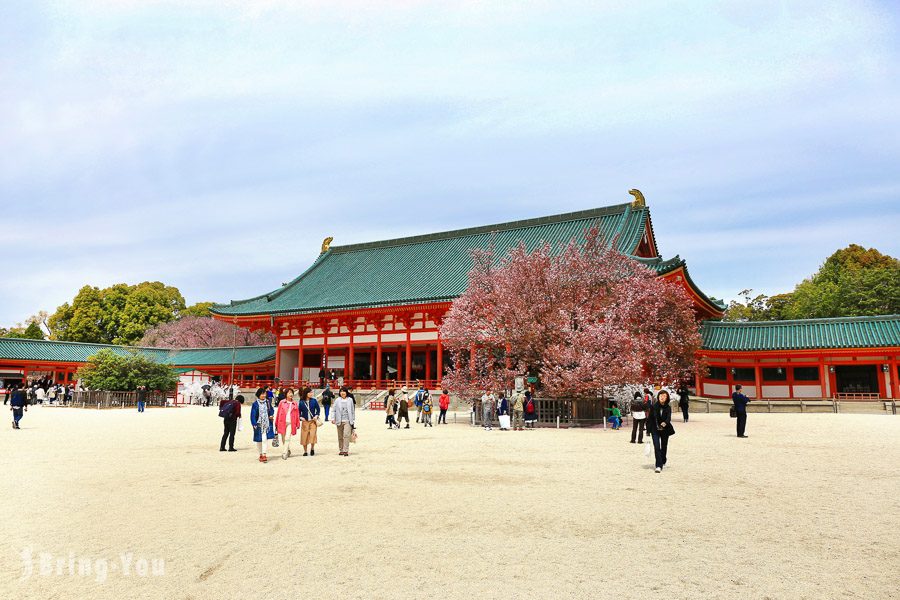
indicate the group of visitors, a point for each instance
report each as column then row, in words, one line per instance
column 43, row 391
column 278, row 415
column 396, row 407
column 517, row 412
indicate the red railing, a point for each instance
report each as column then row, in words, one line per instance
column 357, row 384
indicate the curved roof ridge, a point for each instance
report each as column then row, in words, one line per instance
column 579, row 215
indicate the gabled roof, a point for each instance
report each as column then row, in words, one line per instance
column 429, row 268
column 54, row 351
column 807, row 334
column 662, row 267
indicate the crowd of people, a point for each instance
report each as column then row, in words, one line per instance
column 396, row 407
column 277, row 414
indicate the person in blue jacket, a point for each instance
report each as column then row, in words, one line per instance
column 309, row 428
column 740, row 407
column 18, row 404
column 262, row 416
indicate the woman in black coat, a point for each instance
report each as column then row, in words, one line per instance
column 684, row 402
column 659, row 422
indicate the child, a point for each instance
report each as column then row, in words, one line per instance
column 616, row 417
column 426, row 411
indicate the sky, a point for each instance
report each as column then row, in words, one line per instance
column 213, row 144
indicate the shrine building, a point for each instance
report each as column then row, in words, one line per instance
column 370, row 314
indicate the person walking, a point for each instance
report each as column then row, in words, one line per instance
column 740, row 402
column 530, row 411
column 659, row 420
column 40, row 394
column 230, row 411
column 261, row 415
column 444, row 405
column 390, row 409
column 141, row 398
column 309, row 413
column 403, row 412
column 684, row 402
column 343, row 416
column 287, row 418
column 327, row 397
column 638, row 418
column 487, row 410
column 18, row 404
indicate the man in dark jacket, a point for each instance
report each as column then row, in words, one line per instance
column 230, row 409
column 18, row 404
column 740, row 407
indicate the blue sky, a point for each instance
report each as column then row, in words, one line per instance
column 213, row 144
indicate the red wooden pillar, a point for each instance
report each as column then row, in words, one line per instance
column 757, row 375
column 440, row 360
column 378, row 357
column 427, row 362
column 300, row 350
column 350, row 359
column 408, row 354
column 895, row 386
column 698, row 382
column 823, row 373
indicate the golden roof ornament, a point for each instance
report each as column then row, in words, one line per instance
column 638, row 199
column 326, row 243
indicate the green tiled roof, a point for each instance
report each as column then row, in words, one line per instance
column 429, row 268
column 808, row 334
column 52, row 351
column 666, row 266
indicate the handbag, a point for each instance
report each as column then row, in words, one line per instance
column 353, row 437
column 240, row 424
column 732, row 412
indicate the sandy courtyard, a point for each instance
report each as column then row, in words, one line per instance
column 807, row 507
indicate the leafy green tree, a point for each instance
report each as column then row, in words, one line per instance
column 201, row 309
column 753, row 308
column 111, row 371
column 33, row 332
column 119, row 314
column 854, row 281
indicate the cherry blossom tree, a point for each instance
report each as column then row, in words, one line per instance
column 582, row 320
column 203, row 332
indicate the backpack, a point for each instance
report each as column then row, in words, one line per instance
column 529, row 407
column 226, row 411
column 426, row 408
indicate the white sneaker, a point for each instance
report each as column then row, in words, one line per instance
column 658, row 469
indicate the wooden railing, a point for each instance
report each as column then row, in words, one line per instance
column 102, row 399
column 357, row 384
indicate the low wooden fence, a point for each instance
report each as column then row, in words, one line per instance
column 99, row 399
column 718, row 405
column 561, row 412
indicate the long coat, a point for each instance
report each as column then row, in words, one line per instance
column 254, row 419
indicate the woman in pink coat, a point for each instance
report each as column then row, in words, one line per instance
column 287, row 419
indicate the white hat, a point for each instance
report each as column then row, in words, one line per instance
column 403, row 389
